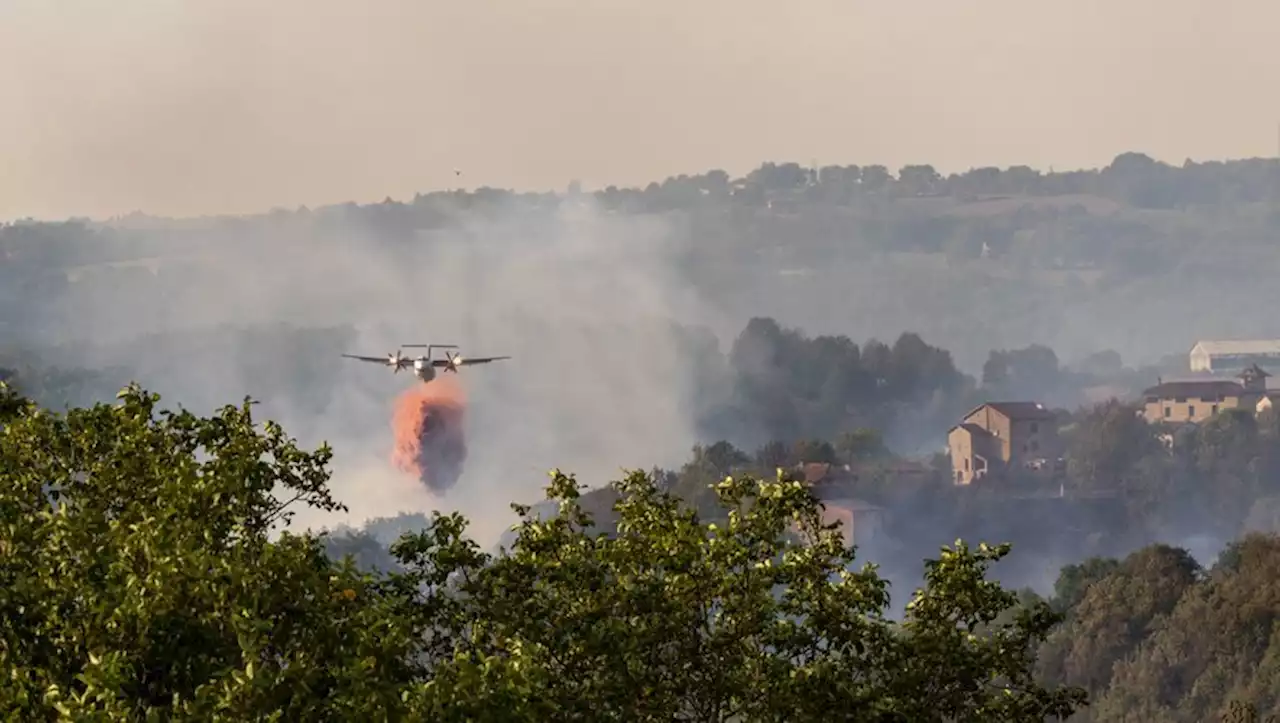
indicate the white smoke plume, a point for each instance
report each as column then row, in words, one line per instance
column 582, row 300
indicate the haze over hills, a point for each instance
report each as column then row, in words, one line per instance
column 1082, row 261
column 622, row 306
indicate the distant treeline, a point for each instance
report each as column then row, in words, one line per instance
column 1013, row 196
column 990, row 258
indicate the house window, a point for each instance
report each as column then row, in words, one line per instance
column 1168, row 412
column 1213, row 409
column 1191, row 410
column 966, row 465
column 1035, row 427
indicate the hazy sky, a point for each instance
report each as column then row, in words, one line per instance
column 170, row 107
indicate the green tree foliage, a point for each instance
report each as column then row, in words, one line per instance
column 1155, row 638
column 1115, row 613
column 1012, row 371
column 54, row 386
column 797, row 387
column 140, row 576
column 708, row 465
column 363, row 548
column 1221, row 477
column 144, row 579
column 758, row 619
column 1217, row 644
column 1108, row 445
column 1074, row 580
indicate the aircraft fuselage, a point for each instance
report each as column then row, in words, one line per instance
column 423, row 369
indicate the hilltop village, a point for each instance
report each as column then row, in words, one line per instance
column 1019, row 447
column 1021, row 439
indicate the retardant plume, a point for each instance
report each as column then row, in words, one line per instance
column 429, row 442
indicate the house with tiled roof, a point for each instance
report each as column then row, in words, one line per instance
column 1003, row 439
column 1196, row 400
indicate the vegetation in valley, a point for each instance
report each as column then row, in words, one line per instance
column 143, row 581
column 145, row 576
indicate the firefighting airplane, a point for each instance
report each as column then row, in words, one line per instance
column 424, row 367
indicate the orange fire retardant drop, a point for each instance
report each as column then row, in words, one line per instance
column 427, row 425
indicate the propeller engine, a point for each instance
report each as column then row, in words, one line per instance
column 452, row 362
column 396, row 361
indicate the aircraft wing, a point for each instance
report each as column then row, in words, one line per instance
column 481, row 360
column 373, row 359
column 465, row 361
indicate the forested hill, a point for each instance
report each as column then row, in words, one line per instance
column 1141, row 256
column 740, row 311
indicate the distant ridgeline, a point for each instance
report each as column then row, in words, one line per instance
column 1131, row 180
column 985, row 259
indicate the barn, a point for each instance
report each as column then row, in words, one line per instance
column 1234, row 356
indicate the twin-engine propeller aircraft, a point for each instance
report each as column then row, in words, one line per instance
column 424, row 367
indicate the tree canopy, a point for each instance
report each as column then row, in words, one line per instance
column 146, row 578
column 1157, row 637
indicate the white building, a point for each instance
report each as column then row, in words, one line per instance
column 1231, row 356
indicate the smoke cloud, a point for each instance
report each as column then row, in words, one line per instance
column 585, row 302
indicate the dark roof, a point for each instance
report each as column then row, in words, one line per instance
column 1018, row 410
column 1199, row 389
column 973, row 429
